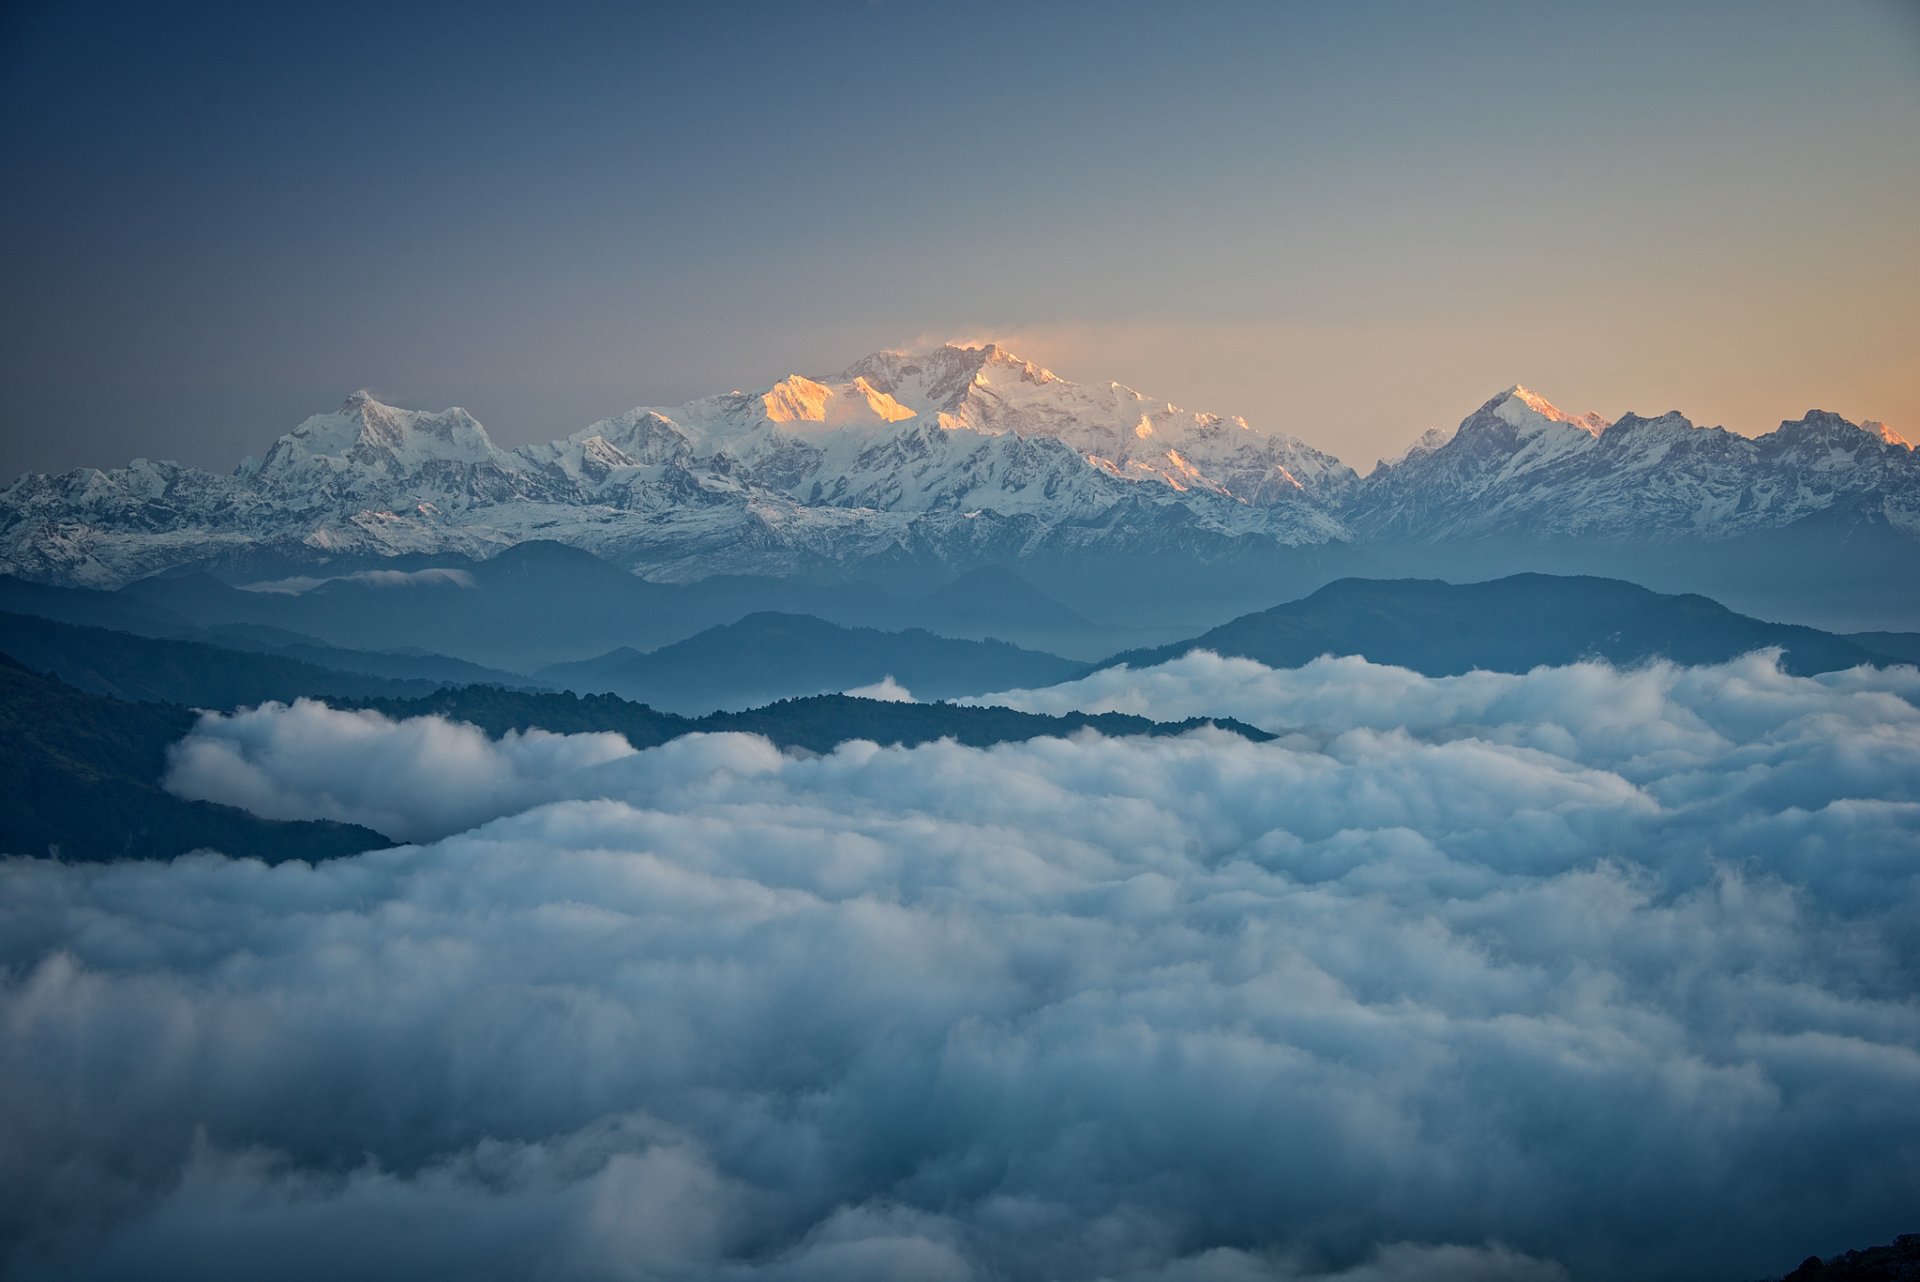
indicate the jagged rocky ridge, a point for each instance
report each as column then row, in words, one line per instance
column 950, row 458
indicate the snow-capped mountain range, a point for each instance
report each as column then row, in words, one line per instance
column 948, row 458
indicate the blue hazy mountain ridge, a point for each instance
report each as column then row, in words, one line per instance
column 165, row 670
column 539, row 603
column 1904, row 646
column 993, row 596
column 768, row 656
column 1436, row 628
column 1512, row 624
column 759, row 660
column 988, row 600
column 1843, row 568
column 1430, row 626
column 410, row 664
column 121, row 612
column 533, row 602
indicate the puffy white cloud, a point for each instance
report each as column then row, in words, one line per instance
column 415, row 780
column 1579, row 974
column 886, row 690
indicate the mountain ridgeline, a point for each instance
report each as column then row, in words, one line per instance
column 540, row 603
column 907, row 469
column 768, row 656
column 1512, row 624
column 92, row 710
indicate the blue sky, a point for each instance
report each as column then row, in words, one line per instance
column 1348, row 221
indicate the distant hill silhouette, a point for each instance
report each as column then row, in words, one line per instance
column 817, row 724
column 1506, row 625
column 124, row 612
column 193, row 673
column 538, row 603
column 771, row 656
column 1904, row 646
column 397, row 665
column 91, row 608
column 531, row 604
column 993, row 601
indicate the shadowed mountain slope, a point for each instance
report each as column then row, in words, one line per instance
column 772, row 656
column 394, row 665
column 1506, row 625
column 121, row 611
column 539, row 603
column 193, row 673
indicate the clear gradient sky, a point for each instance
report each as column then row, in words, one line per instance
column 1350, row 221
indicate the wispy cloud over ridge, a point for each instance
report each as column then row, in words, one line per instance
column 1579, row 973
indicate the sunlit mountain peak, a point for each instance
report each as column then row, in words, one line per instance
column 1885, row 433
column 1522, row 407
column 796, row 399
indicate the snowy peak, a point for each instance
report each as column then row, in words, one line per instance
column 1520, row 465
column 1826, row 425
column 1526, row 411
column 997, row 363
column 1424, row 444
column 855, row 402
column 1672, row 425
column 365, row 434
column 640, row 436
column 1822, row 441
column 1513, row 433
column 941, row 380
column 1885, row 434
column 989, row 390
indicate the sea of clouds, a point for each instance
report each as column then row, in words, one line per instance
column 1579, row 974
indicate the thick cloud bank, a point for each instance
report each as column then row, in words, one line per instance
column 414, row 780
column 1578, row 974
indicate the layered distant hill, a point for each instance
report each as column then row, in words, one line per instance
column 770, row 656
column 539, row 603
column 908, row 467
column 92, row 710
column 1515, row 624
